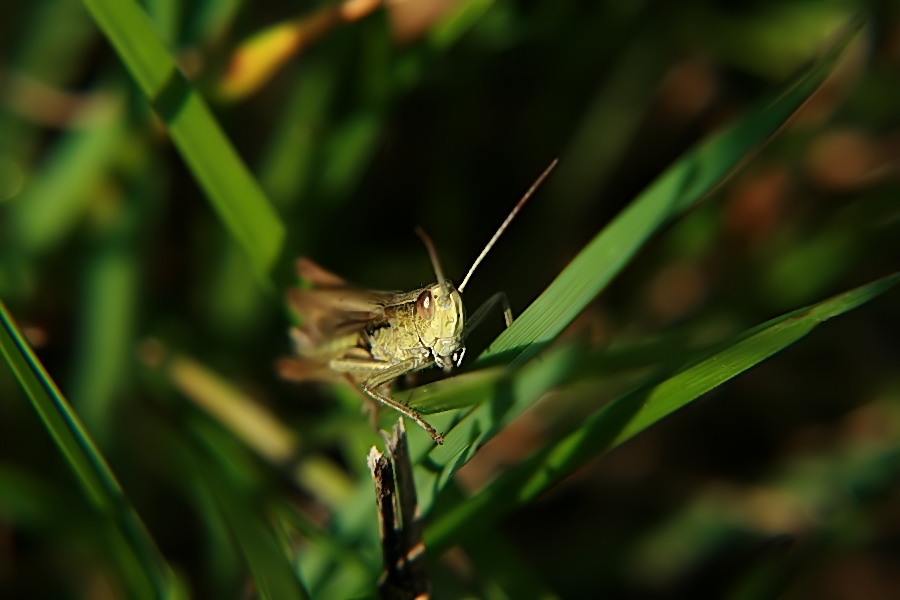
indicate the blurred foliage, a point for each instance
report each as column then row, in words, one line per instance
column 162, row 163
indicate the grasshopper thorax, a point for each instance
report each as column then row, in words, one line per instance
column 440, row 322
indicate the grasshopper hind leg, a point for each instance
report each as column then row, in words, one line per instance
column 404, row 410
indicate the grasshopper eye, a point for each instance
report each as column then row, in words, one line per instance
column 425, row 305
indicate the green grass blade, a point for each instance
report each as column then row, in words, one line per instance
column 243, row 207
column 680, row 187
column 91, row 470
column 500, row 398
column 676, row 190
column 232, row 493
column 109, row 308
column 459, row 20
column 55, row 201
column 636, row 411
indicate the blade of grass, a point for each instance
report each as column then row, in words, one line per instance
column 459, row 20
column 292, row 152
column 91, row 469
column 499, row 398
column 238, row 504
column 354, row 527
column 229, row 186
column 52, row 204
column 228, row 480
column 355, row 520
column 636, row 411
column 258, row 428
column 680, row 187
column 676, row 190
column 108, row 308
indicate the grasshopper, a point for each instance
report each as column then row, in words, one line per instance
column 370, row 338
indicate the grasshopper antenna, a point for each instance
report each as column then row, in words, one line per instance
column 432, row 254
column 506, row 223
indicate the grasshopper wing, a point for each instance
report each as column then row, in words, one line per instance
column 332, row 314
column 315, row 275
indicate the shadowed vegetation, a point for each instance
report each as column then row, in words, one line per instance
column 699, row 396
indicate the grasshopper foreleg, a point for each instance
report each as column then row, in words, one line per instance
column 498, row 298
column 380, row 373
column 404, row 410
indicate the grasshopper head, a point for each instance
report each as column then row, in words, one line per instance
column 440, row 323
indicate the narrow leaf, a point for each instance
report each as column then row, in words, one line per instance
column 229, row 186
column 636, row 411
column 91, row 469
column 679, row 188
